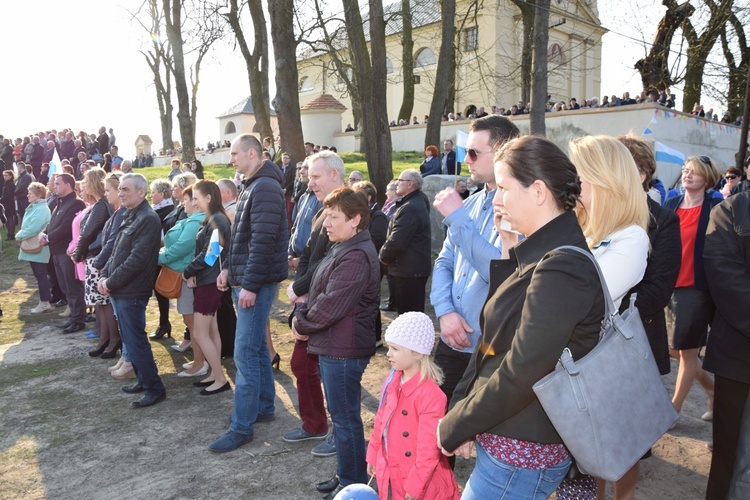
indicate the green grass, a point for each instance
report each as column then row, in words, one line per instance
column 352, row 161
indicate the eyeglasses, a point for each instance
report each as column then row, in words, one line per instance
column 730, row 177
column 473, row 153
column 403, row 180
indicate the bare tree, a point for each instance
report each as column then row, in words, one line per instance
column 369, row 72
column 539, row 81
column 699, row 47
column 407, row 62
column 286, row 101
column 446, row 66
column 737, row 71
column 201, row 31
column 654, row 68
column 527, row 17
column 255, row 60
column 157, row 58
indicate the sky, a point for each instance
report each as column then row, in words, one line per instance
column 77, row 65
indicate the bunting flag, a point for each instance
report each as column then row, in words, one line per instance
column 55, row 166
column 214, row 249
column 461, row 138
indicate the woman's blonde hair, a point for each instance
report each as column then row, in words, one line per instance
column 617, row 199
column 95, row 181
column 706, row 168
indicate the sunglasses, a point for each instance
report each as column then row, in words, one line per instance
column 705, row 159
column 473, row 153
column 730, row 177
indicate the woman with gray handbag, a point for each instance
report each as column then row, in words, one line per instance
column 541, row 301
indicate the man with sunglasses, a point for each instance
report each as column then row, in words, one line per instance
column 460, row 278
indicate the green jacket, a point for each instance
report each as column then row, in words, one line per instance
column 179, row 243
column 35, row 219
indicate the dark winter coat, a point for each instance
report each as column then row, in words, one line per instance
column 260, row 234
column 131, row 270
column 406, row 251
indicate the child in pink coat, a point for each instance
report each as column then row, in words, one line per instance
column 403, row 454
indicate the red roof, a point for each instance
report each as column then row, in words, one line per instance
column 324, row 101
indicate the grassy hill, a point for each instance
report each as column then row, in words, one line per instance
column 352, row 161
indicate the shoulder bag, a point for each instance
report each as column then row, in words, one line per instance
column 610, row 406
column 169, row 283
column 31, row 245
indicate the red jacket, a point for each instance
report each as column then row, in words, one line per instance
column 410, row 459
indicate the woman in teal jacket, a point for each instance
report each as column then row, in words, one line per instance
column 178, row 251
column 35, row 220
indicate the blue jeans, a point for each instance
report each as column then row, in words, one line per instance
column 131, row 315
column 492, row 478
column 125, row 354
column 254, row 390
column 342, row 383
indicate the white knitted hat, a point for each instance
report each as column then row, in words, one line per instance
column 413, row 330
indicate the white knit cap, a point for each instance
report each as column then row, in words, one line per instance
column 413, row 330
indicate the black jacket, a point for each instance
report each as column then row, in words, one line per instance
column 708, row 203
column 91, row 229
column 540, row 301
column 657, row 285
column 257, row 254
column 7, row 156
column 204, row 273
column 131, row 270
column 454, row 167
column 378, row 231
column 109, row 235
column 169, row 220
column 406, row 250
column 8, row 198
column 60, row 227
column 22, row 185
column 316, row 248
column 726, row 258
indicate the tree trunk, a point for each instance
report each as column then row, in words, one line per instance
column 286, row 101
column 539, row 82
column 446, row 66
column 370, row 81
column 407, row 58
column 255, row 61
column 654, row 68
column 527, row 42
column 173, row 20
column 699, row 47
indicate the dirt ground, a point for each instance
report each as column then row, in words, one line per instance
column 69, row 432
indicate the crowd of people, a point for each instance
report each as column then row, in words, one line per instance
column 662, row 96
column 222, row 248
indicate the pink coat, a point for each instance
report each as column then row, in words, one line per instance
column 80, row 266
column 412, row 463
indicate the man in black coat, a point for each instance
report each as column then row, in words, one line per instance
column 58, row 236
column 406, row 250
column 128, row 278
column 449, row 165
column 102, row 142
column 726, row 259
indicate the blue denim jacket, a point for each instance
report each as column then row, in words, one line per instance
column 460, row 279
column 303, row 214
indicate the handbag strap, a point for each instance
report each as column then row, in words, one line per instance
column 609, row 305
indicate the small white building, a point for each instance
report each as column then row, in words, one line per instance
column 240, row 119
column 321, row 119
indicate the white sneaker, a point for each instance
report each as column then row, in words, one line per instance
column 66, row 312
column 41, row 307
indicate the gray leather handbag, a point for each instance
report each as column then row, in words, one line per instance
column 610, row 406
